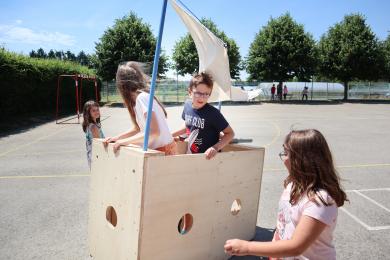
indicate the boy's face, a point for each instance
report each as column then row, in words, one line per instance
column 199, row 95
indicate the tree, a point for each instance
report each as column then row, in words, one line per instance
column 186, row 58
column 350, row 50
column 130, row 39
column 386, row 49
column 51, row 54
column 33, row 54
column 69, row 56
column 60, row 55
column 82, row 58
column 41, row 54
column 281, row 51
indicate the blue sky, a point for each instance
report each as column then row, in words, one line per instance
column 77, row 25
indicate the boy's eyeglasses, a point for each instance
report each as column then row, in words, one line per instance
column 283, row 155
column 200, row 94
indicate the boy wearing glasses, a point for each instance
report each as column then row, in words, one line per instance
column 203, row 122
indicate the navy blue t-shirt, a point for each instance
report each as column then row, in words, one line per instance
column 202, row 126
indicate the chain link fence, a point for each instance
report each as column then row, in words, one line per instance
column 172, row 91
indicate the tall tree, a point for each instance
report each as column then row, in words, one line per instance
column 33, row 54
column 186, row 58
column 82, row 58
column 281, row 51
column 130, row 39
column 59, row 55
column 70, row 56
column 386, row 47
column 51, row 54
column 350, row 50
column 41, row 53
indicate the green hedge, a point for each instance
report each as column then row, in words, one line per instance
column 29, row 85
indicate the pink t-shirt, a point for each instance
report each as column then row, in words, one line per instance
column 289, row 216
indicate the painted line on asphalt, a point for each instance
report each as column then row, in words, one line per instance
column 42, row 176
column 30, row 143
column 338, row 167
column 278, row 133
column 371, row 200
column 369, row 228
column 48, row 153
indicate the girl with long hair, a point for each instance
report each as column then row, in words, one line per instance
column 308, row 206
column 91, row 126
column 132, row 83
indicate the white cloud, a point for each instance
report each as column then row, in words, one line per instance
column 12, row 33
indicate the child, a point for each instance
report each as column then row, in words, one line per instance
column 285, row 92
column 91, row 126
column 203, row 122
column 308, row 206
column 132, row 84
column 305, row 91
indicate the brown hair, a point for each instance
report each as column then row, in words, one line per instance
column 311, row 168
column 130, row 80
column 87, row 119
column 201, row 78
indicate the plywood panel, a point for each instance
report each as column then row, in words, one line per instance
column 116, row 180
column 175, row 185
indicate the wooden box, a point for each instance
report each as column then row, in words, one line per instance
column 137, row 200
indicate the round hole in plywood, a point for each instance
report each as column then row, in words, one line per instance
column 185, row 224
column 111, row 216
column 236, row 207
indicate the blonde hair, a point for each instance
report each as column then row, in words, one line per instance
column 130, row 79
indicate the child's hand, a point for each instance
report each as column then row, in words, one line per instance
column 210, row 153
column 116, row 147
column 236, row 247
column 108, row 140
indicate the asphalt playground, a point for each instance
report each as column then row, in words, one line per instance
column 44, row 177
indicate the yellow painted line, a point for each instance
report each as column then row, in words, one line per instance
column 338, row 167
column 278, row 133
column 44, row 176
column 43, row 153
column 30, row 143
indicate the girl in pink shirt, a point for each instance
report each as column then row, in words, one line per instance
column 308, row 206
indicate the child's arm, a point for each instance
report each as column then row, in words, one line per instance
column 95, row 131
column 121, row 136
column 138, row 138
column 179, row 132
column 226, row 138
column 307, row 231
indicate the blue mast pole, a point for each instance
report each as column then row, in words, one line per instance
column 154, row 75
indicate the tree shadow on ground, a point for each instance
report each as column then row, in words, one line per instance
column 20, row 124
column 262, row 235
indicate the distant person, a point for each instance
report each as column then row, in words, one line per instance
column 308, row 207
column 305, row 91
column 273, row 90
column 279, row 91
column 285, row 92
column 91, row 126
column 133, row 85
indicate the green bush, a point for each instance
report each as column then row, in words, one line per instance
column 29, row 85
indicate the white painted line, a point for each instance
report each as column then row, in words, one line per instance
column 375, row 189
column 373, row 201
column 356, row 218
column 379, row 228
